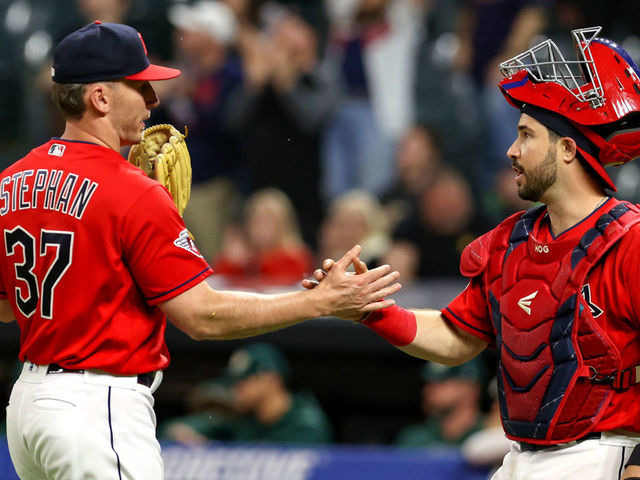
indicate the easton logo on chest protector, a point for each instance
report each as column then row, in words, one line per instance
column 558, row 370
column 525, row 302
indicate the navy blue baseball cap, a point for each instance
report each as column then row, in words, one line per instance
column 105, row 51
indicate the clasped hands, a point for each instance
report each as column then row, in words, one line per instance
column 354, row 294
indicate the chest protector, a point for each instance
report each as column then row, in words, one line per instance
column 558, row 368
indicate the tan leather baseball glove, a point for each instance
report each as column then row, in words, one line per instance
column 163, row 155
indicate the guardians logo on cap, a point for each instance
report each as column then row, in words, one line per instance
column 105, row 51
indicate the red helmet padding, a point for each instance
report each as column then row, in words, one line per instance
column 620, row 148
column 597, row 168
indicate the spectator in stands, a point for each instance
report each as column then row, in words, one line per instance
column 210, row 412
column 267, row 410
column 247, row 12
column 443, row 224
column 405, row 257
column 104, row 10
column 204, row 39
column 372, row 52
column 267, row 249
column 451, row 402
column 281, row 110
column 489, row 33
column 443, row 97
column 354, row 217
column 149, row 17
column 418, row 156
column 271, row 411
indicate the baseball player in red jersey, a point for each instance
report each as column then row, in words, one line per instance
column 555, row 289
column 94, row 255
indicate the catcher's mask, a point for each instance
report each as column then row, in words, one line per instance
column 599, row 93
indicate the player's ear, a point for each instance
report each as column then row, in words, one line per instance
column 567, row 149
column 99, row 97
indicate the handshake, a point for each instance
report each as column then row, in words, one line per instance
column 349, row 295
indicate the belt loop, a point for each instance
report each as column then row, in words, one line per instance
column 32, row 372
column 157, row 380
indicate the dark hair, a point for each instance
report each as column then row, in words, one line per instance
column 554, row 136
column 69, row 99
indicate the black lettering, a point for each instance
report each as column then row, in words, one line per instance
column 65, row 193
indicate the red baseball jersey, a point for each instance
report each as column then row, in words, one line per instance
column 90, row 246
column 611, row 290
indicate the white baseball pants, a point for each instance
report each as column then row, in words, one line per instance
column 84, row 425
column 592, row 459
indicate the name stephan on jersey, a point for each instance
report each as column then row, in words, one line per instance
column 45, row 189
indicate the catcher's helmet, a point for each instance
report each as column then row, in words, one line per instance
column 599, row 93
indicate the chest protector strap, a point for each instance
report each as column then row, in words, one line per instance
column 558, row 369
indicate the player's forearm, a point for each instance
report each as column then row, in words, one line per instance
column 243, row 314
column 204, row 313
column 425, row 334
column 439, row 341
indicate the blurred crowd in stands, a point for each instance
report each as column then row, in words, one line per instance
column 314, row 125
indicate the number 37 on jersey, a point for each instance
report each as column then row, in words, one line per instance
column 40, row 261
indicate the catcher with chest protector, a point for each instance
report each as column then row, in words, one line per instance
column 95, row 257
column 555, row 289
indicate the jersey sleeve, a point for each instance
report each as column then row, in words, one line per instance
column 160, row 253
column 469, row 311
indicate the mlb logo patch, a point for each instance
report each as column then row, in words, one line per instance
column 57, row 150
